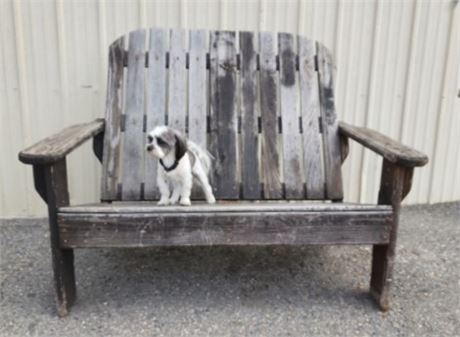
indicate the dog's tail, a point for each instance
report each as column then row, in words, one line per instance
column 202, row 155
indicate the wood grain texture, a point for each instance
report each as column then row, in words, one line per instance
column 292, row 145
column 331, row 141
column 223, row 118
column 310, row 112
column 133, row 149
column 172, row 229
column 57, row 195
column 156, row 102
column 268, row 86
column 113, row 113
column 391, row 150
column 242, row 206
column 177, row 94
column 57, row 146
column 392, row 191
column 249, row 117
column 197, row 98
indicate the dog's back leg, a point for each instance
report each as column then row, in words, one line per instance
column 200, row 174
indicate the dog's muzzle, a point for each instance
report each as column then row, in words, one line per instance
column 149, row 148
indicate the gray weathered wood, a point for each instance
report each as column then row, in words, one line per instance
column 197, row 95
column 197, row 98
column 133, row 223
column 292, row 144
column 223, row 118
column 55, row 147
column 310, row 112
column 388, row 148
column 156, row 102
column 133, row 150
column 331, row 141
column 249, row 117
column 242, row 206
column 392, row 191
column 57, row 195
column 270, row 159
column 177, row 80
column 39, row 181
column 113, row 113
column 172, row 229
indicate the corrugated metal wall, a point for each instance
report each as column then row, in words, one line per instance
column 398, row 72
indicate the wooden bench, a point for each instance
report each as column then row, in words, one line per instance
column 263, row 104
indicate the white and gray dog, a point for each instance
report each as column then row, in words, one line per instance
column 181, row 160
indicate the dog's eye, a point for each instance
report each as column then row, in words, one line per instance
column 150, row 139
column 161, row 142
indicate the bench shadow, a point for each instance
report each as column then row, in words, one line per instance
column 206, row 278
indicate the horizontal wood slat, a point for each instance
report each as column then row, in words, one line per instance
column 240, row 206
column 172, row 229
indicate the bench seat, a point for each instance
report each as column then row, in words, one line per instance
column 140, row 224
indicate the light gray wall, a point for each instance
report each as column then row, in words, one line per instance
column 398, row 72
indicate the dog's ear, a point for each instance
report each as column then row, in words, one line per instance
column 181, row 146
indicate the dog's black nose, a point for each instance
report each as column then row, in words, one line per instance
column 149, row 147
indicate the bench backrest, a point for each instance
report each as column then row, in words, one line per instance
column 261, row 103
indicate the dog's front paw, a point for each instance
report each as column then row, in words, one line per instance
column 163, row 202
column 211, row 200
column 185, row 201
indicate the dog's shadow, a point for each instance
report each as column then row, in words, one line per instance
column 207, row 277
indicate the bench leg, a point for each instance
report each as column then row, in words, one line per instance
column 53, row 181
column 64, row 279
column 382, row 269
column 394, row 186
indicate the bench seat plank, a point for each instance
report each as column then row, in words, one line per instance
column 223, row 224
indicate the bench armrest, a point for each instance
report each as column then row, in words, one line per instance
column 388, row 148
column 57, row 146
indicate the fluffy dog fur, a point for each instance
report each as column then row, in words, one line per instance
column 181, row 160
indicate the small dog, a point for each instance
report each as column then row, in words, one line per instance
column 181, row 160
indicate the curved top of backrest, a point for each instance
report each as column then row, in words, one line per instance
column 261, row 103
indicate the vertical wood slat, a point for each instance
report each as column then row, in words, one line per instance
column 223, row 118
column 156, row 102
column 197, row 88
column 310, row 112
column 133, row 151
column 331, row 141
column 290, row 120
column 112, row 136
column 177, row 80
column 249, row 117
column 268, row 110
column 197, row 95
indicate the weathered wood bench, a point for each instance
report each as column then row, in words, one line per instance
column 270, row 122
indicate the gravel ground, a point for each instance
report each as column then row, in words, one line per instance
column 245, row 291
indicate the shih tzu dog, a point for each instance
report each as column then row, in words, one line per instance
column 181, row 161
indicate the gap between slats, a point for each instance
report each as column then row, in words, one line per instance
column 238, row 61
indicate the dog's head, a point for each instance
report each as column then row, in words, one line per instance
column 162, row 140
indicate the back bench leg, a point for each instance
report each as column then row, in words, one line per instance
column 394, row 186
column 52, row 181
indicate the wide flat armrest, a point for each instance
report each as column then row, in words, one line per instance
column 388, row 148
column 57, row 146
